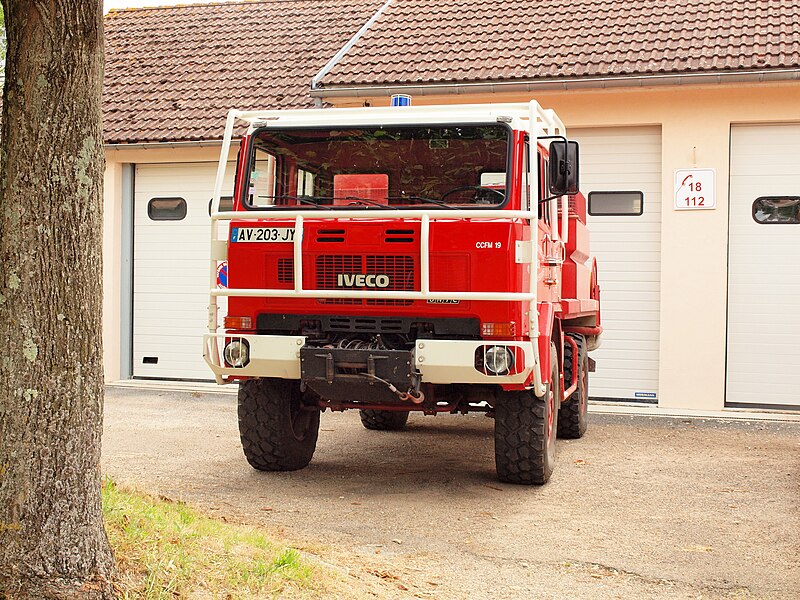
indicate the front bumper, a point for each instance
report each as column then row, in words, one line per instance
column 437, row 361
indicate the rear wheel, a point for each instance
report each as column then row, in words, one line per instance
column 384, row 420
column 278, row 431
column 572, row 418
column 525, row 432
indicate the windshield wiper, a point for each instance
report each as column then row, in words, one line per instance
column 428, row 200
column 357, row 199
column 312, row 200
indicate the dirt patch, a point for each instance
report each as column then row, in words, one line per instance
column 640, row 507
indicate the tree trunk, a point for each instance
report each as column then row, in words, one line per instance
column 52, row 541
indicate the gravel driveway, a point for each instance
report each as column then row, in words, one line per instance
column 641, row 507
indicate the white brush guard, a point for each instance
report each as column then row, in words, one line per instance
column 439, row 361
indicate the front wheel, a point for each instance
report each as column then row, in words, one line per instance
column 278, row 431
column 525, row 432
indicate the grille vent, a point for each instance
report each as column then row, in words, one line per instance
column 399, row 269
column 401, row 236
column 286, row 270
column 367, row 324
column 330, row 235
column 328, row 267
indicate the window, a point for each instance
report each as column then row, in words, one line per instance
column 225, row 204
column 544, row 192
column 264, row 185
column 769, row 210
column 616, row 204
column 166, row 209
column 305, row 183
column 526, row 188
column 410, row 167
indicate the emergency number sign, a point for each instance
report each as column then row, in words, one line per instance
column 695, row 189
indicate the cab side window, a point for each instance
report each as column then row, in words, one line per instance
column 263, row 180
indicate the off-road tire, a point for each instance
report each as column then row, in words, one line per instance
column 572, row 418
column 384, row 420
column 525, row 435
column 278, row 432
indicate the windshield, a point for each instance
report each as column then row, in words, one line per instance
column 456, row 166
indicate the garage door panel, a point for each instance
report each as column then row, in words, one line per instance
column 610, row 303
column 763, row 270
column 171, row 271
column 628, row 251
column 644, row 231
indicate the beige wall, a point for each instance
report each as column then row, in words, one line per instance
column 695, row 125
column 112, row 233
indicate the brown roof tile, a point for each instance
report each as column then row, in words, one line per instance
column 172, row 73
column 429, row 41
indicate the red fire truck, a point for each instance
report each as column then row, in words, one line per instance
column 398, row 259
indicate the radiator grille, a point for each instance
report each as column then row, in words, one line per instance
column 286, row 270
column 399, row 269
column 329, row 267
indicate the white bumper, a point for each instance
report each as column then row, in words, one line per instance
column 439, row 361
column 453, row 361
column 270, row 355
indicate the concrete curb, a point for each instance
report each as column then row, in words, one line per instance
column 611, row 408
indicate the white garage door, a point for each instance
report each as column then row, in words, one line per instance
column 171, row 268
column 628, row 251
column 764, row 267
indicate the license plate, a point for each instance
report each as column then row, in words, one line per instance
column 262, row 234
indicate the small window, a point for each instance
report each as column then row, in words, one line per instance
column 616, row 204
column 305, row 183
column 166, row 209
column 265, row 184
column 225, row 204
column 769, row 210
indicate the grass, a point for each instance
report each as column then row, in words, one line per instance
column 165, row 549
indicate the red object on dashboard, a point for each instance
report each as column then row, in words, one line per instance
column 348, row 189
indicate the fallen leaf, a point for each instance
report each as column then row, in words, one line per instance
column 698, row 549
column 383, row 574
column 402, row 587
column 396, row 541
column 267, row 508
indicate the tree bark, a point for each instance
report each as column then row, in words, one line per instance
column 52, row 541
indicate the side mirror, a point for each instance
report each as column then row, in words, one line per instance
column 563, row 167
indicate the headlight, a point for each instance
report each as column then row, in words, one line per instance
column 498, row 360
column 237, row 353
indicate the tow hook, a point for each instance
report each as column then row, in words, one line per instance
column 411, row 395
column 416, row 398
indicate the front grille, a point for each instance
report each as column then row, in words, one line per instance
column 367, row 325
column 285, row 270
column 329, row 268
column 399, row 269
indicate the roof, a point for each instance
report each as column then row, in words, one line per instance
column 172, row 73
column 416, row 41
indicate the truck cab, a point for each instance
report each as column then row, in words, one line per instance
column 405, row 259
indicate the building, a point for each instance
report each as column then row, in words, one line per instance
column 699, row 303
